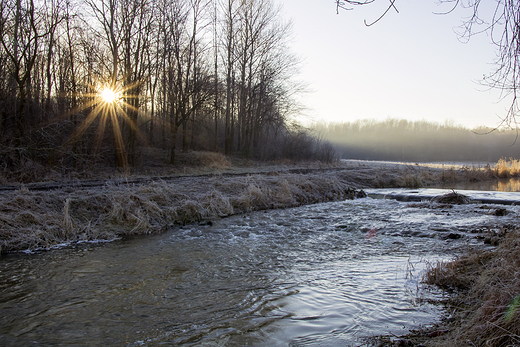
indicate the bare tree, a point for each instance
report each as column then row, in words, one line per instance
column 186, row 90
column 230, row 13
column 55, row 15
column 137, row 19
column 263, row 67
column 503, row 27
column 350, row 4
column 20, row 38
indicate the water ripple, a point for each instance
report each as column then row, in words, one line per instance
column 325, row 274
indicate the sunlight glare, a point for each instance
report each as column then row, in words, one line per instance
column 108, row 95
column 108, row 103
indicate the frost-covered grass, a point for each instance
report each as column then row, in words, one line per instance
column 42, row 219
column 31, row 219
column 486, row 304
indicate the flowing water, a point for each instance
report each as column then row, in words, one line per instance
column 326, row 274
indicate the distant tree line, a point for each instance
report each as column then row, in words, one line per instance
column 418, row 141
column 188, row 74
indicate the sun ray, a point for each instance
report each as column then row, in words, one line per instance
column 120, row 146
column 85, row 124
column 101, row 129
column 110, row 102
column 130, row 122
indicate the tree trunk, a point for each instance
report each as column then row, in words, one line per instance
column 173, row 145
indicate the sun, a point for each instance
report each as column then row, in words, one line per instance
column 110, row 103
column 108, row 95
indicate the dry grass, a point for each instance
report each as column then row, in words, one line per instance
column 409, row 177
column 477, row 174
column 468, row 174
column 410, row 180
column 149, row 162
column 487, row 300
column 507, row 168
column 212, row 160
column 42, row 219
column 417, row 176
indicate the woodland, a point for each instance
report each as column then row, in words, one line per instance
column 418, row 141
column 94, row 82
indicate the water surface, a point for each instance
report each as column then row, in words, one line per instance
column 326, row 274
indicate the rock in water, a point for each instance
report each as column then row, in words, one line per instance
column 452, row 198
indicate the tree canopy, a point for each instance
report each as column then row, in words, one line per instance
column 93, row 80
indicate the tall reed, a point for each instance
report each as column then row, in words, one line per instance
column 508, row 168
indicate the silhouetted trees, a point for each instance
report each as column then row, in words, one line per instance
column 199, row 74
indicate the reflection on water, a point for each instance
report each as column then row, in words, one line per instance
column 508, row 185
column 498, row 185
column 305, row 276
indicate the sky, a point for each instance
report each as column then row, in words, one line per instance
column 410, row 65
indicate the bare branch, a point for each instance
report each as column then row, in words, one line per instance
column 384, row 14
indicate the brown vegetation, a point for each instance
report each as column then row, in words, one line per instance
column 31, row 219
column 418, row 176
column 507, row 168
column 487, row 295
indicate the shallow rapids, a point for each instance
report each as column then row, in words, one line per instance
column 325, row 274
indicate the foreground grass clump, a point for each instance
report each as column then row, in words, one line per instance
column 486, row 296
column 42, row 219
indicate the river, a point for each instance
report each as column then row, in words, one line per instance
column 325, row 274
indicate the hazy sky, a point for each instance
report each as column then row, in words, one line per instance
column 410, row 65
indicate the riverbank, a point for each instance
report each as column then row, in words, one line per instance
column 482, row 299
column 42, row 215
column 484, row 288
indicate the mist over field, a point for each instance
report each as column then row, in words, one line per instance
column 395, row 139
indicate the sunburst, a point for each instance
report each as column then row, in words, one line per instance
column 109, row 95
column 109, row 103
